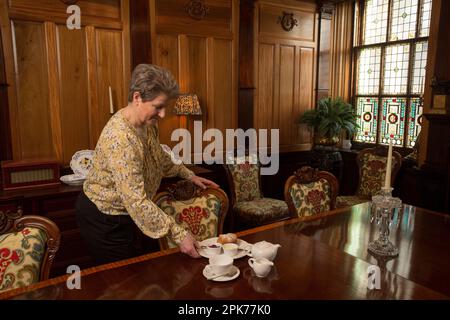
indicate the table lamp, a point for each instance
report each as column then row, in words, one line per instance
column 187, row 104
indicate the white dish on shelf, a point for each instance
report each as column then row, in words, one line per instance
column 243, row 250
column 73, row 179
column 81, row 162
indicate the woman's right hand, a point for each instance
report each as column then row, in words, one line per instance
column 188, row 246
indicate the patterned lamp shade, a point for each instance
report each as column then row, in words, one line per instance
column 187, row 104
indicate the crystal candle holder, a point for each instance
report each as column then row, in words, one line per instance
column 383, row 211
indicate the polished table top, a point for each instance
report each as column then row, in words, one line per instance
column 322, row 257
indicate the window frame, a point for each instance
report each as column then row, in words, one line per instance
column 358, row 46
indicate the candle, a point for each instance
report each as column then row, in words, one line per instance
column 387, row 181
column 111, row 106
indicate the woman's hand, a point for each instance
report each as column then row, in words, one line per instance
column 203, row 183
column 188, row 246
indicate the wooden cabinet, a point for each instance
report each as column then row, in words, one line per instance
column 285, row 56
column 199, row 46
column 58, row 78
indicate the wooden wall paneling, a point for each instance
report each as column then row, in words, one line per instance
column 197, row 75
column 307, row 80
column 167, row 56
column 126, row 49
column 141, row 46
column 94, row 128
column 109, row 73
column 54, row 89
column 287, row 88
column 74, row 97
column 172, row 17
column 33, row 96
column 98, row 13
column 210, row 102
column 224, row 89
column 5, row 128
column 265, row 90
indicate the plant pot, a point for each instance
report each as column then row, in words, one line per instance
column 326, row 141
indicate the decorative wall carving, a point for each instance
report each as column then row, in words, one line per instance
column 287, row 21
column 197, row 9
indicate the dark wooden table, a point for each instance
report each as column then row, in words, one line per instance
column 322, row 257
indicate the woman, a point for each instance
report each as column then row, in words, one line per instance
column 126, row 173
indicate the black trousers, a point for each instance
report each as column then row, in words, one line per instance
column 108, row 238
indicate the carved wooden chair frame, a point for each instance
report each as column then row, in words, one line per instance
column 306, row 175
column 14, row 222
column 184, row 190
column 381, row 151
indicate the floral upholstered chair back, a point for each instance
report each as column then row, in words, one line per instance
column 244, row 178
column 309, row 192
column 202, row 212
column 372, row 170
column 27, row 249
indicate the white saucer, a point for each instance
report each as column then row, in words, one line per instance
column 207, row 274
column 244, row 248
column 73, row 179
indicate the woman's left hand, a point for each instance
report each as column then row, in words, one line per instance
column 203, row 183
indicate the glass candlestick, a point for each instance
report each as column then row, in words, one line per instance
column 383, row 208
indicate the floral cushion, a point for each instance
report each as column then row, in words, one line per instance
column 200, row 215
column 261, row 211
column 21, row 254
column 246, row 181
column 373, row 173
column 312, row 198
column 348, row 201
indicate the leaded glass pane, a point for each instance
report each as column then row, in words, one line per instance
column 369, row 71
column 367, row 110
column 404, row 20
column 415, row 121
column 396, row 69
column 420, row 62
column 375, row 21
column 424, row 30
column 392, row 120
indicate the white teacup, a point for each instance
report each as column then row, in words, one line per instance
column 230, row 249
column 220, row 264
column 261, row 266
column 213, row 249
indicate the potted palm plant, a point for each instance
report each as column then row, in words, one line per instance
column 329, row 120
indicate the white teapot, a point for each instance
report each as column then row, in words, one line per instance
column 264, row 249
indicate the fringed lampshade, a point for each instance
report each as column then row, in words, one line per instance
column 187, row 104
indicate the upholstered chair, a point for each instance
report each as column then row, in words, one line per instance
column 250, row 208
column 28, row 245
column 309, row 192
column 201, row 211
column 372, row 172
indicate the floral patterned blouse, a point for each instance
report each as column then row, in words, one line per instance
column 126, row 172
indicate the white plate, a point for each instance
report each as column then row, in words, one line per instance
column 244, row 248
column 81, row 162
column 207, row 274
column 73, row 180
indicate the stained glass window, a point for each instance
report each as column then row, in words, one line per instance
column 415, row 120
column 425, row 18
column 396, row 69
column 393, row 120
column 367, row 110
column 391, row 56
column 420, row 62
column 369, row 71
column 404, row 19
column 375, row 25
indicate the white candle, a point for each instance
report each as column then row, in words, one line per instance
column 387, row 181
column 111, row 106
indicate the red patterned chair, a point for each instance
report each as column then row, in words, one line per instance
column 250, row 207
column 202, row 212
column 28, row 246
column 309, row 192
column 372, row 173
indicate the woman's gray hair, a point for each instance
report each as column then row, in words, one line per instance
column 150, row 81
